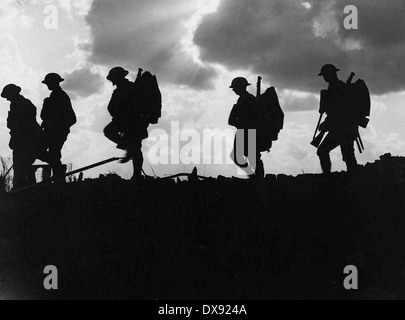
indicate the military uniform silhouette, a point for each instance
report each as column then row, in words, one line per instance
column 342, row 128
column 58, row 117
column 129, row 124
column 25, row 135
column 243, row 117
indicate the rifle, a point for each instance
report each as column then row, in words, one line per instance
column 138, row 78
column 140, row 71
column 259, row 86
column 360, row 144
column 317, row 140
column 52, row 179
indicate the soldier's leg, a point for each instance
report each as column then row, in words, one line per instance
column 324, row 150
column 41, row 147
column 48, row 147
column 55, row 154
column 29, row 170
column 348, row 153
column 112, row 133
column 259, row 172
column 137, row 158
column 253, row 158
column 23, row 159
column 30, row 175
column 19, row 169
column 253, row 155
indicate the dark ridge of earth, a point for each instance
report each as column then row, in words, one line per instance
column 280, row 238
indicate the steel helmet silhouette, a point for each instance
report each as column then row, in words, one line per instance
column 239, row 82
column 53, row 78
column 328, row 69
column 10, row 90
column 117, row 73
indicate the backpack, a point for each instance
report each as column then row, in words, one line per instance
column 149, row 95
column 359, row 102
column 270, row 119
column 70, row 117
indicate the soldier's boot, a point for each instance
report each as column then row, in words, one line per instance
column 352, row 167
column 259, row 171
column 350, row 159
column 18, row 179
column 259, row 168
column 137, row 176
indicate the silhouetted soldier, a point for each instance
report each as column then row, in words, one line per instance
column 243, row 117
column 58, row 117
column 25, row 135
column 129, row 124
column 340, row 124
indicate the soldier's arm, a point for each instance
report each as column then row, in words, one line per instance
column 16, row 122
column 233, row 118
column 44, row 109
column 68, row 114
column 32, row 110
column 113, row 105
column 10, row 121
column 325, row 126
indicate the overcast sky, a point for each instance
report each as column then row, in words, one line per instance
column 196, row 48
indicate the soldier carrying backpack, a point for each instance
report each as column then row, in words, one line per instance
column 133, row 107
column 262, row 114
column 58, row 117
column 270, row 117
column 347, row 106
column 25, row 135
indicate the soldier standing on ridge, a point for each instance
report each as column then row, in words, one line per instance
column 243, row 117
column 129, row 124
column 25, row 135
column 340, row 123
column 58, row 117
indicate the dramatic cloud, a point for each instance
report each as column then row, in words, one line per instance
column 289, row 41
column 12, row 16
column 83, row 82
column 7, row 10
column 146, row 34
column 293, row 101
column 76, row 7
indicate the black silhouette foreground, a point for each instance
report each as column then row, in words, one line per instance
column 287, row 238
column 347, row 107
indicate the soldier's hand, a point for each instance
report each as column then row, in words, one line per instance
column 324, row 127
